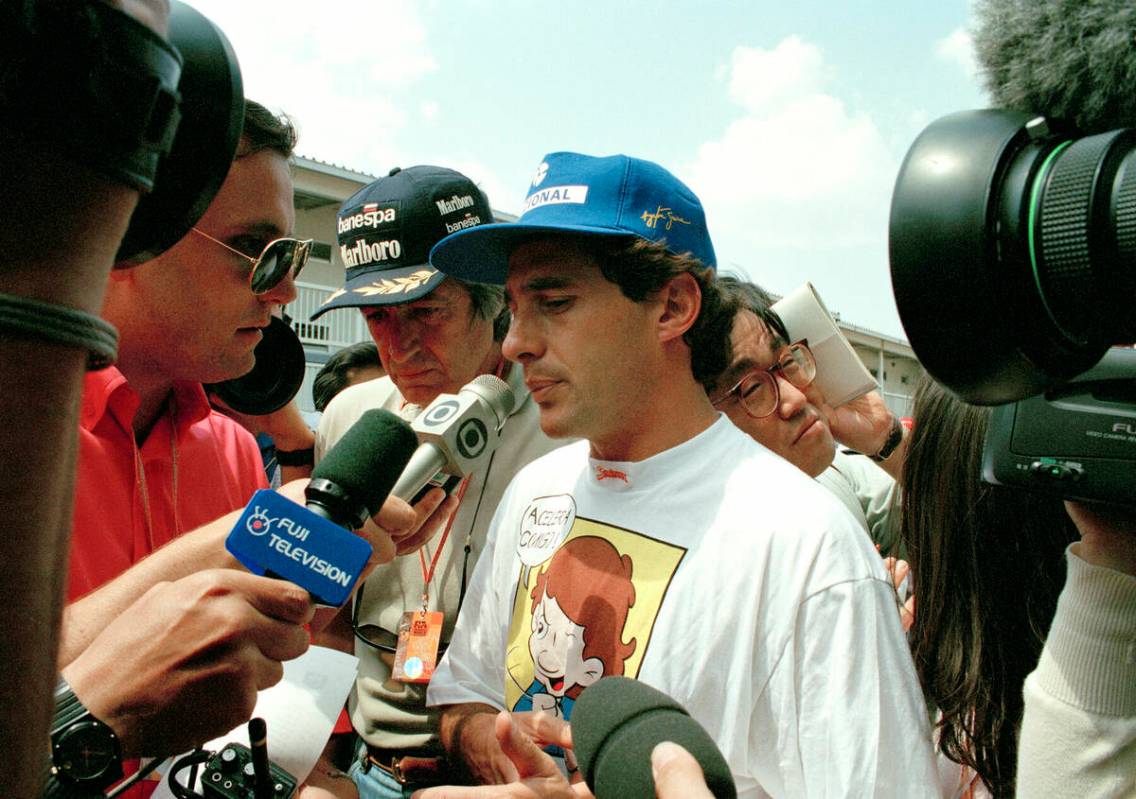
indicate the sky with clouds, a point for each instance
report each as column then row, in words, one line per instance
column 789, row 120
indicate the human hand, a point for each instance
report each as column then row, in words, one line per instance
column 480, row 753
column 395, row 523
column 403, row 528
column 862, row 424
column 545, row 729
column 677, row 774
column 184, row 662
column 899, row 570
column 1108, row 534
column 287, row 427
column 536, row 774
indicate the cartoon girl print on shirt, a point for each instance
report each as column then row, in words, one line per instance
column 580, row 604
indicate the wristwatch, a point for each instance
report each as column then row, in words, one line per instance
column 296, row 457
column 895, row 436
column 85, row 754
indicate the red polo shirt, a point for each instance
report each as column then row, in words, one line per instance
column 121, row 515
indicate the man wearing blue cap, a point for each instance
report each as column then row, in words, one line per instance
column 434, row 335
column 669, row 547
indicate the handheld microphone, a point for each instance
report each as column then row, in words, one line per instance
column 617, row 722
column 309, row 546
column 457, row 433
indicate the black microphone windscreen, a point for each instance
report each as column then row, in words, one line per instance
column 369, row 458
column 617, row 722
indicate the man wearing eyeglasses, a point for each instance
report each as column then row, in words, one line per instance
column 769, row 392
column 434, row 335
column 155, row 460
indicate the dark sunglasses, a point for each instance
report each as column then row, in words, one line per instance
column 279, row 258
column 383, row 639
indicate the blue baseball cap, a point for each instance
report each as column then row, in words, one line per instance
column 584, row 195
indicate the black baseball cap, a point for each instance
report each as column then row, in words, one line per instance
column 386, row 229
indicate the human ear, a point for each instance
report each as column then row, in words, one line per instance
column 681, row 301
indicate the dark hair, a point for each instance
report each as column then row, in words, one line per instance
column 1074, row 61
column 753, row 298
column 642, row 268
column 987, row 565
column 489, row 303
column 336, row 374
column 264, row 130
column 750, row 297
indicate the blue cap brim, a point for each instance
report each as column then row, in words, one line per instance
column 481, row 254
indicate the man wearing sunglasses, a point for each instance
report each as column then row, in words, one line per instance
column 434, row 334
column 155, row 460
column 769, row 392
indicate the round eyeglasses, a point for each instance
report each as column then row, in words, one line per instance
column 757, row 391
column 278, row 259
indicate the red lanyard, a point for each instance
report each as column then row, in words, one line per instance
column 428, row 574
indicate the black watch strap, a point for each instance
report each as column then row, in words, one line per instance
column 895, row 436
column 296, row 457
column 55, row 787
column 68, row 708
column 70, row 714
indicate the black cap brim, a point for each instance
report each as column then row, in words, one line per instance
column 385, row 287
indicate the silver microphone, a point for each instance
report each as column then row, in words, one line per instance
column 457, row 433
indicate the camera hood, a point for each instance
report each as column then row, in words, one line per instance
column 212, row 117
column 275, row 378
column 1012, row 245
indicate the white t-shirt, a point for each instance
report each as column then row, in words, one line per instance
column 386, row 713
column 721, row 575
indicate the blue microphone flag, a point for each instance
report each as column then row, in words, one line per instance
column 275, row 536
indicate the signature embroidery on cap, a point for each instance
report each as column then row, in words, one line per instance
column 652, row 220
column 603, row 473
column 398, row 285
column 541, row 171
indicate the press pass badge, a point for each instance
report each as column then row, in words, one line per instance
column 419, row 632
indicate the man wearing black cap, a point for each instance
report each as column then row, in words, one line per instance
column 435, row 334
column 670, row 547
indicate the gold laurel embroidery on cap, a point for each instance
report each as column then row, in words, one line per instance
column 335, row 295
column 661, row 212
column 398, row 285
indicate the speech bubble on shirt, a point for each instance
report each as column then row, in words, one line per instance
column 544, row 525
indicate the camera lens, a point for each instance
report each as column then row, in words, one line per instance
column 1013, row 251
column 1083, row 242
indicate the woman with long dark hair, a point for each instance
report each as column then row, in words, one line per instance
column 988, row 564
